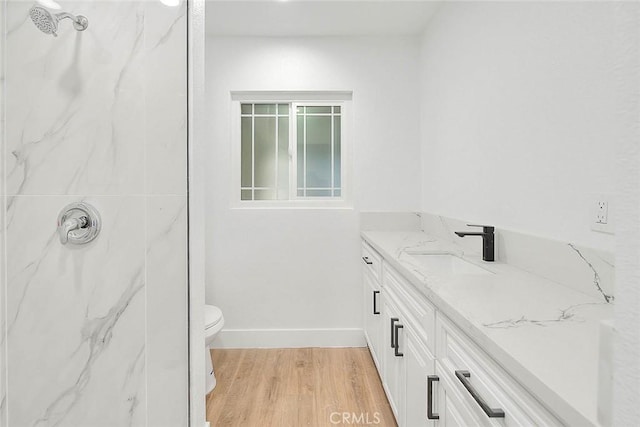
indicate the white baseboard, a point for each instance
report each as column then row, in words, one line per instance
column 290, row 338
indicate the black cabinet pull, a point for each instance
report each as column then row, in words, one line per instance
column 430, row 414
column 396, row 347
column 491, row 412
column 393, row 341
column 375, row 308
column 366, row 260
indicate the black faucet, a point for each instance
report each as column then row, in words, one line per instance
column 488, row 243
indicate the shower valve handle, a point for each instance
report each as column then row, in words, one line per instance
column 69, row 225
column 78, row 223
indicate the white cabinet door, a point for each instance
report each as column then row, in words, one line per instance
column 393, row 364
column 373, row 316
column 420, row 365
column 415, row 307
column 408, row 364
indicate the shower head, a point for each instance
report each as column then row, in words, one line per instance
column 48, row 22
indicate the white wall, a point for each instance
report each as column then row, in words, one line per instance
column 528, row 109
column 518, row 115
column 283, row 269
column 627, row 322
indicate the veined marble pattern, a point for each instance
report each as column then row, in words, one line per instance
column 167, row 363
column 165, row 114
column 3, row 368
column 584, row 269
column 102, row 110
column 567, row 314
column 75, row 101
column 76, row 331
column 97, row 334
column 541, row 331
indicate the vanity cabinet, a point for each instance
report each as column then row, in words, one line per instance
column 434, row 374
column 400, row 331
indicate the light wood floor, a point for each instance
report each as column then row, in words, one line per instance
column 297, row 387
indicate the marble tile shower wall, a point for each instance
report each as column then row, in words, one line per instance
column 2, row 234
column 96, row 335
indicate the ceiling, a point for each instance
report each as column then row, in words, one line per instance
column 286, row 18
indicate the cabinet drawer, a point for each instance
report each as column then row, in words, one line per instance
column 449, row 400
column 372, row 261
column 419, row 311
column 463, row 361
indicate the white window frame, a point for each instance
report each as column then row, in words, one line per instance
column 295, row 99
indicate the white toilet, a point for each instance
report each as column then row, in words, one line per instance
column 213, row 323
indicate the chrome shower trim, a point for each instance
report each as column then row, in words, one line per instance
column 80, row 22
column 47, row 22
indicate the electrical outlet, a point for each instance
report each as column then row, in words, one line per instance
column 601, row 219
column 602, row 209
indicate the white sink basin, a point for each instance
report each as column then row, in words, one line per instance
column 447, row 264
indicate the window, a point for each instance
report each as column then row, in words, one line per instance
column 265, row 158
column 291, row 150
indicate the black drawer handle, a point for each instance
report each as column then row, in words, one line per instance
column 366, row 260
column 430, row 414
column 491, row 412
column 375, row 304
column 393, row 341
column 396, row 347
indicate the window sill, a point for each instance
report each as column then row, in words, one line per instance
column 294, row 204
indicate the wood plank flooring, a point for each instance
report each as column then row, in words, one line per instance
column 297, row 387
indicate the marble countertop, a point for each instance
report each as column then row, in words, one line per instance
column 543, row 333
